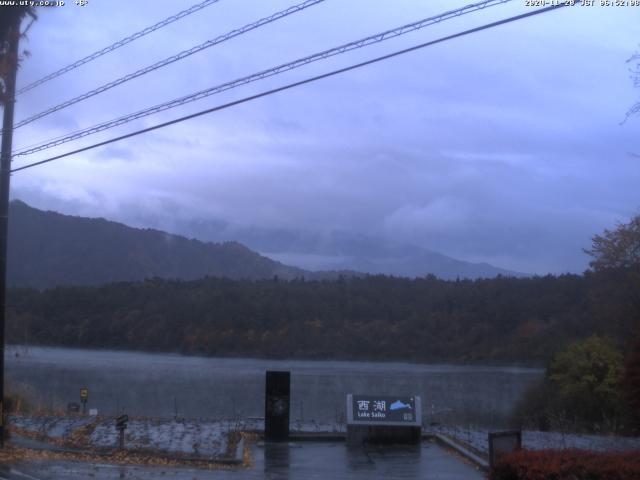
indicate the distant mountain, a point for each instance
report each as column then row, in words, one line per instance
column 344, row 251
column 48, row 249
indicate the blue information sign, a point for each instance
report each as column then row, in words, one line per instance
column 386, row 410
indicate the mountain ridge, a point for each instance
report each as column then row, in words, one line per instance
column 48, row 249
column 339, row 250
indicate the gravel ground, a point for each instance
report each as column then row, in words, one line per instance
column 534, row 440
column 206, row 438
column 51, row 426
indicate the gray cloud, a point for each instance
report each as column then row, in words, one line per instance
column 503, row 147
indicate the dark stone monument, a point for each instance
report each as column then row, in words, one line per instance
column 501, row 443
column 380, row 419
column 276, row 406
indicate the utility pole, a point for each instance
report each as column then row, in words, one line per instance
column 12, row 36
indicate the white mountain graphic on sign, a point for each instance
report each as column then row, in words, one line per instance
column 398, row 405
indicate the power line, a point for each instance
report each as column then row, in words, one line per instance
column 297, row 84
column 380, row 37
column 174, row 58
column 118, row 44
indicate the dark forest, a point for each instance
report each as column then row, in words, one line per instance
column 501, row 320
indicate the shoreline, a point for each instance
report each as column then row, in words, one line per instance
column 475, row 365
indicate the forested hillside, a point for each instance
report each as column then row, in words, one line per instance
column 499, row 320
column 48, row 249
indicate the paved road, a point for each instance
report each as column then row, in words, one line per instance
column 277, row 462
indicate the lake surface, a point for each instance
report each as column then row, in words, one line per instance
column 147, row 384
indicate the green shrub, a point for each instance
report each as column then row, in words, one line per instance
column 582, row 391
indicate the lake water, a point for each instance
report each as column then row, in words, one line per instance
column 157, row 384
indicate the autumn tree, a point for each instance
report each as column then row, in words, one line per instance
column 617, row 249
column 9, row 17
column 634, row 61
column 615, row 292
column 587, row 378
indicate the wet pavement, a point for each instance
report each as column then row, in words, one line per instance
column 292, row 461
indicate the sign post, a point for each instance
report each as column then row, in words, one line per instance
column 84, row 397
column 382, row 419
column 121, row 426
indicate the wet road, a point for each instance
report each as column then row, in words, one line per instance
column 277, row 462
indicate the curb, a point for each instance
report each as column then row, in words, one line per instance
column 32, row 444
column 239, row 456
column 28, row 443
column 308, row 436
column 317, row 437
column 450, row 444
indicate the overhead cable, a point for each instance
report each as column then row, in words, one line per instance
column 296, row 84
column 172, row 59
column 370, row 40
column 118, row 44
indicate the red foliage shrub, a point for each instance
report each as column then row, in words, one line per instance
column 569, row 464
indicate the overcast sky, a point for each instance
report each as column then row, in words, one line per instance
column 505, row 146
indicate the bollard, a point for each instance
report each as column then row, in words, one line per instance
column 501, row 443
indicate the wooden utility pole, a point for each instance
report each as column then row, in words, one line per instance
column 10, row 57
